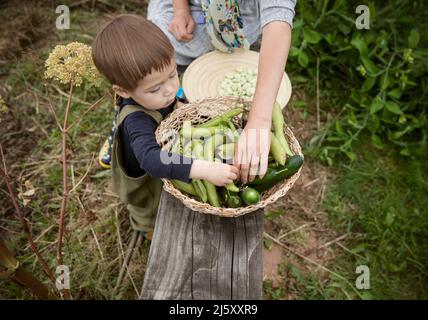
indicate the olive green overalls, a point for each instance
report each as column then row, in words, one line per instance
column 140, row 194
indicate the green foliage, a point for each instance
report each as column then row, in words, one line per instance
column 382, row 201
column 373, row 81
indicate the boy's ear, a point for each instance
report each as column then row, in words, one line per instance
column 121, row 92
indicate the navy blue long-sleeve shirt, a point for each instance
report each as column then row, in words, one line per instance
column 140, row 151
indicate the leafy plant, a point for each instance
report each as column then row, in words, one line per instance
column 373, row 81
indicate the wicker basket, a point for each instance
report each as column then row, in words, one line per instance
column 199, row 112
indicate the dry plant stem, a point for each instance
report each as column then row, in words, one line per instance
column 25, row 226
column 126, row 261
column 64, row 177
column 318, row 92
column 84, row 113
column 20, row 275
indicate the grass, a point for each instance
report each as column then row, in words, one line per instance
column 380, row 199
column 97, row 225
column 383, row 199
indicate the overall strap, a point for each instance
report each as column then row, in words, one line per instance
column 128, row 109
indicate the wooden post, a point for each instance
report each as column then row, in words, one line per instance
column 201, row 256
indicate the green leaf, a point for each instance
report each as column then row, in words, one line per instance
column 344, row 28
column 374, row 123
column 390, row 217
column 294, row 52
column 368, row 84
column 329, row 38
column 311, row 36
column 385, row 82
column 300, row 78
column 393, row 107
column 360, row 45
column 356, row 96
column 413, row 38
column 303, row 59
column 405, row 152
column 369, row 65
column 267, row 244
column 351, row 155
column 339, row 128
column 377, row 142
column 395, row 93
column 376, row 105
column 299, row 104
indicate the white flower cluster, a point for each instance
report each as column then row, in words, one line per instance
column 72, row 63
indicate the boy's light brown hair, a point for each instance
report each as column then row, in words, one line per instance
column 130, row 47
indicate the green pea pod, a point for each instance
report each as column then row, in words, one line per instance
column 176, row 146
column 183, row 186
column 227, row 150
column 187, row 149
column 234, row 131
column 232, row 187
column 212, row 194
column 200, row 190
column 210, row 145
column 223, row 118
column 277, row 150
column 198, row 133
column 209, row 148
column 186, row 130
column 278, row 125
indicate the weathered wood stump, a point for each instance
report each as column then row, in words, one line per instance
column 202, row 256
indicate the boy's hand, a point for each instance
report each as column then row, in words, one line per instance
column 219, row 174
column 182, row 25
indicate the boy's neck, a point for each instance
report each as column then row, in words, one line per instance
column 129, row 101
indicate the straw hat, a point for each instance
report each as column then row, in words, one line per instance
column 204, row 75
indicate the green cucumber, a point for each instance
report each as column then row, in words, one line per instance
column 277, row 174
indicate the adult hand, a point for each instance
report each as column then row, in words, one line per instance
column 182, row 25
column 252, row 151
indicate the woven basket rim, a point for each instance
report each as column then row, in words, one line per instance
column 204, row 107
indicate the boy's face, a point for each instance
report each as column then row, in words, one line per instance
column 157, row 90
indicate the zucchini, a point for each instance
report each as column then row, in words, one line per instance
column 277, row 174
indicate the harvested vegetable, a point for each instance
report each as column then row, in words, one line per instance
column 278, row 125
column 183, row 186
column 215, row 140
column 250, row 196
column 277, row 174
column 240, row 83
column 277, row 150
